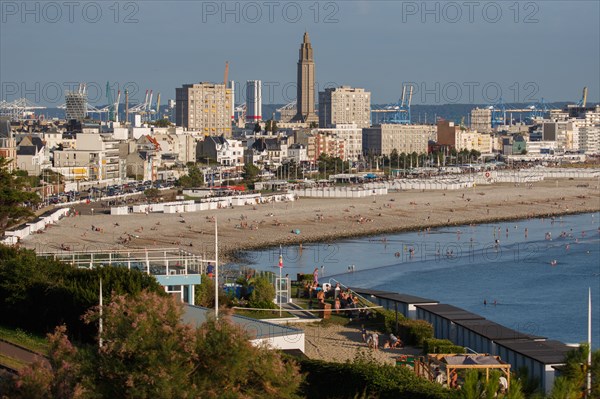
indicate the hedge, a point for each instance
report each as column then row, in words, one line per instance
column 414, row 332
column 367, row 380
column 433, row 345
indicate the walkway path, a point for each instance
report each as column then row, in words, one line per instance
column 19, row 353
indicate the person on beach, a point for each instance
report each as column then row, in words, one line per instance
column 363, row 333
column 375, row 337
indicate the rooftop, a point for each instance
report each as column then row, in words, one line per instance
column 256, row 329
column 450, row 312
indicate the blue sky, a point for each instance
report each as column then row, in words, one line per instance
column 454, row 52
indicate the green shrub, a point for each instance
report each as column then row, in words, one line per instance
column 205, row 294
column 37, row 294
column 263, row 294
column 414, row 332
column 433, row 345
column 387, row 318
column 367, row 379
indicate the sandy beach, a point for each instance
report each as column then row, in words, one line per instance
column 337, row 343
column 249, row 227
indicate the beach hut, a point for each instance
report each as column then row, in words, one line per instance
column 119, row 210
column 443, row 317
column 540, row 357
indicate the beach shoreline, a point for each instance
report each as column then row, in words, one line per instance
column 319, row 220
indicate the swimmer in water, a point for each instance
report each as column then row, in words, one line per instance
column 553, row 262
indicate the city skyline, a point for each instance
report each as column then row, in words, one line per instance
column 536, row 50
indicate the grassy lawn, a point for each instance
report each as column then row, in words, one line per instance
column 27, row 340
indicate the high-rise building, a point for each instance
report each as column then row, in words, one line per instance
column 253, row 101
column 205, row 107
column 383, row 139
column 481, row 120
column 306, row 84
column 76, row 104
column 344, row 105
column 352, row 137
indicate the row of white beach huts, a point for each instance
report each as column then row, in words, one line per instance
column 16, row 234
column 341, row 192
column 187, row 206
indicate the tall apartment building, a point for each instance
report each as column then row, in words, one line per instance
column 344, row 105
column 325, row 143
column 352, row 136
column 205, row 107
column 481, row 120
column 76, row 105
column 458, row 137
column 253, row 101
column 383, row 139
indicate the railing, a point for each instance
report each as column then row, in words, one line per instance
column 167, row 261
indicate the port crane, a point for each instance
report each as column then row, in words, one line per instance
column 18, row 109
column 113, row 106
column 399, row 112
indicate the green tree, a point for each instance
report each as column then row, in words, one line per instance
column 472, row 387
column 576, row 369
column 205, row 294
column 394, row 158
column 257, row 128
column 152, row 193
column 60, row 377
column 58, row 293
column 515, row 391
column 271, row 126
column 51, row 177
column 262, row 294
column 250, row 174
column 475, row 154
column 162, row 123
column 563, row 388
column 14, row 200
column 147, row 351
column 194, row 178
column 228, row 366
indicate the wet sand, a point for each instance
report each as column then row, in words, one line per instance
column 323, row 220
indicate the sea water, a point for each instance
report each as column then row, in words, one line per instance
column 532, row 274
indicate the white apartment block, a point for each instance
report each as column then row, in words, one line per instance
column 352, row 136
column 205, row 107
column 383, row 139
column 472, row 140
column 344, row 105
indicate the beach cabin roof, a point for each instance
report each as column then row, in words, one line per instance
column 256, row 329
column 450, row 312
column 494, row 331
column 546, row 352
column 393, row 296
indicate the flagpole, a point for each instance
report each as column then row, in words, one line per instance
column 100, row 321
column 216, row 270
column 589, row 359
column 280, row 268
